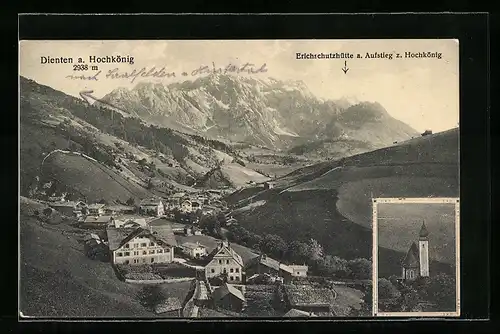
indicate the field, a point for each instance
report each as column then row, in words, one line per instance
column 58, row 280
column 156, row 271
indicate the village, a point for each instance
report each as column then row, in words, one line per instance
column 161, row 241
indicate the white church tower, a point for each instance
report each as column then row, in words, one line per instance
column 423, row 248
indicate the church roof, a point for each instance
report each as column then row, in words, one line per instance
column 423, row 231
column 412, row 258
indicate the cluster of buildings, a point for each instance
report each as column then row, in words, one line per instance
column 98, row 215
column 140, row 240
column 291, row 299
column 208, row 202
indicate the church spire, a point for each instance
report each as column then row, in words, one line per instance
column 423, row 231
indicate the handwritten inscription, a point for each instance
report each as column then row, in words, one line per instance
column 248, row 68
column 160, row 73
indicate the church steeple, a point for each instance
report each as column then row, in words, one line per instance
column 423, row 244
column 423, row 234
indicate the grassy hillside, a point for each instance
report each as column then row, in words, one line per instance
column 58, row 280
column 90, row 179
column 52, row 120
column 333, row 149
column 331, row 201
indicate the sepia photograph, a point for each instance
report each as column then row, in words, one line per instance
column 416, row 257
column 206, row 179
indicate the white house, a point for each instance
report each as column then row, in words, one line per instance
column 194, row 250
column 96, row 209
column 224, row 260
column 152, row 207
column 298, row 271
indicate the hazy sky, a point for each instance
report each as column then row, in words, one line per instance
column 421, row 92
column 399, row 225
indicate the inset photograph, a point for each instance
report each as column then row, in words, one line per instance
column 416, row 257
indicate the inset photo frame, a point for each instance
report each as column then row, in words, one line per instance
column 416, row 257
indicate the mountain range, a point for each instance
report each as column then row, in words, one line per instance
column 268, row 112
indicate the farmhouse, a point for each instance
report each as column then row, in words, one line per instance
column 152, row 207
column 228, row 297
column 223, row 260
column 194, row 250
column 69, row 208
column 98, row 222
column 306, row 298
column 263, row 264
column 142, row 245
column 96, row 209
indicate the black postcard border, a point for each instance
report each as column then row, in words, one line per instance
column 470, row 29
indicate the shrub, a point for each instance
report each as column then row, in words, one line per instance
column 386, row 290
column 360, row 268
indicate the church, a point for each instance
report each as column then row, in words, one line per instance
column 416, row 262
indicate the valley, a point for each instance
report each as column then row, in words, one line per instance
column 290, row 172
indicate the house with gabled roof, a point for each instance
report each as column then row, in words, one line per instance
column 96, row 209
column 263, row 264
column 224, row 260
column 194, row 250
column 229, row 297
column 306, row 298
column 68, row 208
column 97, row 222
column 142, row 245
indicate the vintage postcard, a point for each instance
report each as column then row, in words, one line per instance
column 192, row 179
column 416, row 257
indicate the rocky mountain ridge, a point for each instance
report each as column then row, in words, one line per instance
column 269, row 112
